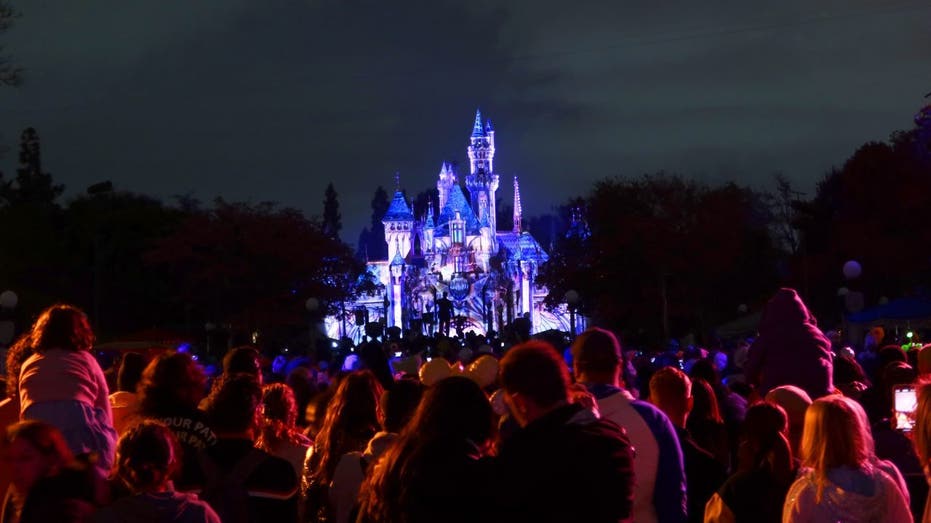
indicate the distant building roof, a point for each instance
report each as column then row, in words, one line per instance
column 456, row 201
column 522, row 246
column 398, row 211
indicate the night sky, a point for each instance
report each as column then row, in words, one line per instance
column 270, row 100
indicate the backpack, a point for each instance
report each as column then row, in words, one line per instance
column 227, row 493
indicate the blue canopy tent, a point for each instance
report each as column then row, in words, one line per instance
column 914, row 312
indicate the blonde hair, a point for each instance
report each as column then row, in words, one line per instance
column 835, row 435
column 922, row 431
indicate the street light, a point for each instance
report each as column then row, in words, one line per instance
column 572, row 300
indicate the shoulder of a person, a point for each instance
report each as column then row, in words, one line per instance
column 656, row 419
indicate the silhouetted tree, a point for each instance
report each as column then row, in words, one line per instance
column 32, row 185
column 331, row 217
column 376, row 247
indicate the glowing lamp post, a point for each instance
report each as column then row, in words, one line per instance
column 572, row 300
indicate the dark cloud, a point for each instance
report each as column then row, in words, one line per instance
column 271, row 100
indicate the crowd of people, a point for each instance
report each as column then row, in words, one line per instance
column 788, row 427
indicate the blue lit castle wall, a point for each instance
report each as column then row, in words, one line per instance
column 487, row 274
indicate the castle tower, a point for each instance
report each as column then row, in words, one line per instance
column 447, row 178
column 399, row 224
column 518, row 210
column 482, row 182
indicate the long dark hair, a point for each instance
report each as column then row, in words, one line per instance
column 705, row 406
column 172, row 382
column 351, row 419
column 763, row 442
column 454, row 420
column 146, row 456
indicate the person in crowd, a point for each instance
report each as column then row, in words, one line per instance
column 124, row 403
column 146, row 459
column 301, row 381
column 670, row 390
column 731, row 405
column 9, row 408
column 924, row 361
column 878, row 399
column 435, row 470
column 868, row 358
column 705, row 424
column 278, row 432
column 840, row 481
column 61, row 383
column 33, row 450
column 316, row 411
column 659, row 493
column 765, row 470
column 922, row 436
column 564, row 463
column 794, row 401
column 444, row 313
column 790, row 349
column 398, row 405
column 849, row 377
column 239, row 481
column 352, row 418
column 172, row 386
column 245, row 359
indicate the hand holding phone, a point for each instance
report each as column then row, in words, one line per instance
column 905, row 404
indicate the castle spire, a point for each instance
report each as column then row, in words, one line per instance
column 477, row 129
column 397, row 181
column 518, row 212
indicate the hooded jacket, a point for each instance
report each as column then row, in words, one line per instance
column 882, row 501
column 790, row 349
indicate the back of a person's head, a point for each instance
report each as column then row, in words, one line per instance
column 891, row 353
column 62, row 326
column 243, row 360
column 704, row 402
column 922, row 432
column 130, row 373
column 453, row 409
column 146, row 456
column 399, row 403
column 596, row 353
column 793, row 400
column 351, row 415
column 924, row 360
column 453, row 412
column 45, row 438
column 847, row 370
column 670, row 388
column 232, row 406
column 536, row 371
column 835, row 435
column 705, row 369
column 278, row 404
column 170, row 382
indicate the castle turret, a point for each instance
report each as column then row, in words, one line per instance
column 445, row 182
column 518, row 210
column 399, row 224
column 482, row 182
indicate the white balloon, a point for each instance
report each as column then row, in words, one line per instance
column 852, row 270
column 742, row 308
column 312, row 304
column 843, row 291
column 884, row 301
column 8, row 299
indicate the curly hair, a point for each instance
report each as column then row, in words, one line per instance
column 147, row 456
column 279, row 418
column 62, row 326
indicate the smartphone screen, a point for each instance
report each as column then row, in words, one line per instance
column 905, row 404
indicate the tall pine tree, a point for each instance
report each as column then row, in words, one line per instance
column 377, row 248
column 331, row 217
column 31, row 186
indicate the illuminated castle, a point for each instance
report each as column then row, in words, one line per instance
column 488, row 274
